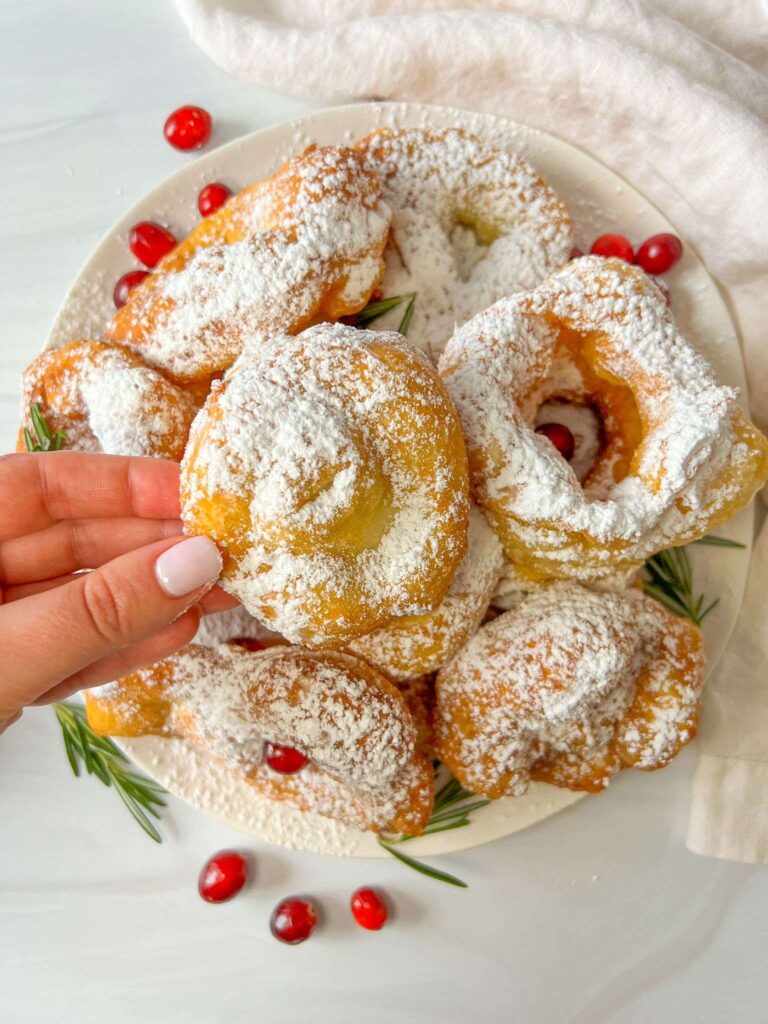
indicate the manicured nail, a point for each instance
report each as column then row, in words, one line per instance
column 188, row 566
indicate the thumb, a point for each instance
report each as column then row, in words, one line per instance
column 52, row 635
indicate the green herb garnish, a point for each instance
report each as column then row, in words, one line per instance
column 44, row 440
column 453, row 806
column 100, row 757
column 374, row 310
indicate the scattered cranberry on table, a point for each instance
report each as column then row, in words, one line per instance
column 613, row 245
column 369, row 909
column 188, row 127
column 125, row 284
column 575, row 253
column 149, row 242
column 293, row 921
column 561, row 438
column 212, row 197
column 285, row 760
column 223, row 876
column 659, row 253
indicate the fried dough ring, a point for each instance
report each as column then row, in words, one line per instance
column 471, row 223
column 419, row 644
column 678, row 457
column 305, row 245
column 106, row 399
column 351, row 723
column 568, row 688
column 331, row 471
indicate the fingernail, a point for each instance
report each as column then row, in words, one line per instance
column 187, row 566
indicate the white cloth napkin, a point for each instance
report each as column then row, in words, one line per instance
column 674, row 96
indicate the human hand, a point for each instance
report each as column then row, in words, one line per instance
column 62, row 629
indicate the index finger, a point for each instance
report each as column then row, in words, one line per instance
column 41, row 488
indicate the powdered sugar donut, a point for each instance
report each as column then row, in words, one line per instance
column 304, row 246
column 568, row 688
column 331, row 470
column 106, row 399
column 676, row 457
column 471, row 223
column 352, row 725
column 419, row 644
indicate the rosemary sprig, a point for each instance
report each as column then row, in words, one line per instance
column 670, row 581
column 718, row 542
column 98, row 754
column 44, row 439
column 102, row 758
column 374, row 310
column 422, row 868
column 453, row 806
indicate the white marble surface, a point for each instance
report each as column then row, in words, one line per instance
column 598, row 915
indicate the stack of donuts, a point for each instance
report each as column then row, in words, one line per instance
column 368, row 491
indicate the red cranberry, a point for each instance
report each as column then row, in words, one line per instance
column 285, row 760
column 369, row 909
column 575, row 253
column 212, row 197
column 613, row 245
column 149, row 242
column 293, row 921
column 250, row 643
column 659, row 252
column 561, row 438
column 125, row 284
column 188, row 128
column 223, row 876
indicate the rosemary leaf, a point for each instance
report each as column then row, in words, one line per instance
column 445, row 826
column 671, row 603
column 71, row 754
column 459, row 811
column 374, row 310
column 405, row 323
column 138, row 814
column 423, row 869
column 718, row 542
column 44, row 440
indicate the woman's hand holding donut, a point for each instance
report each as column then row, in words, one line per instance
column 64, row 629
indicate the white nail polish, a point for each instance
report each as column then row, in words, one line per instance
column 188, row 566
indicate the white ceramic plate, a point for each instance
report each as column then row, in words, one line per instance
column 600, row 201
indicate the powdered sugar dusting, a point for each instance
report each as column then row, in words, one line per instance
column 498, row 371
column 562, row 687
column 409, row 647
column 289, row 257
column 471, row 223
column 354, row 727
column 105, row 399
column 325, row 434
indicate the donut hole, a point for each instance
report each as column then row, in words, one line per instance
column 365, row 522
column 584, row 423
column 598, row 408
column 471, row 237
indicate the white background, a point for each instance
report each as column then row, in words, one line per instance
column 597, row 915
